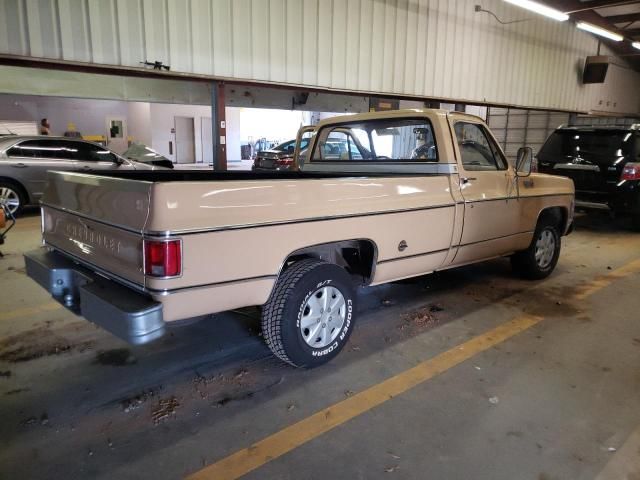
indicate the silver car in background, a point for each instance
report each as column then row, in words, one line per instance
column 25, row 160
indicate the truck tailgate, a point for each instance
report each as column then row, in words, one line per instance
column 98, row 220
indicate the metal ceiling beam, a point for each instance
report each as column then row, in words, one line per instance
column 574, row 6
column 629, row 17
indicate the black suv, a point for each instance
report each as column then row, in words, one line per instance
column 602, row 161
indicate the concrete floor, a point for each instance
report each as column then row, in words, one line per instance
column 561, row 400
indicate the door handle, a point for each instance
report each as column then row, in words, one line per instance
column 467, row 179
column 18, row 165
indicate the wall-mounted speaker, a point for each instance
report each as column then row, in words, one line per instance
column 595, row 69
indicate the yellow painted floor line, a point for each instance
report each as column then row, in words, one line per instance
column 27, row 311
column 248, row 459
column 625, row 464
column 276, row 445
column 603, row 281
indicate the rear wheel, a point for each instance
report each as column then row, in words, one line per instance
column 12, row 197
column 310, row 314
column 539, row 260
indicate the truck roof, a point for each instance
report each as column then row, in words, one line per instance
column 391, row 114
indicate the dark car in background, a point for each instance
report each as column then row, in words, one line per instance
column 279, row 157
column 602, row 161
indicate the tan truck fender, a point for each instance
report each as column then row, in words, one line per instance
column 357, row 256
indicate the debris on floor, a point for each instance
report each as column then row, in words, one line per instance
column 494, row 400
column 116, row 357
column 133, row 403
column 421, row 318
column 166, row 408
column 38, row 343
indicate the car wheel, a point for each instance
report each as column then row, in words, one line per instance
column 539, row 260
column 12, row 197
column 310, row 313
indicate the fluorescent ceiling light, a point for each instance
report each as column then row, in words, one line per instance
column 599, row 31
column 636, row 45
column 541, row 9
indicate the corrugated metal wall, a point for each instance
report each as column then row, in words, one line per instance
column 432, row 48
column 515, row 128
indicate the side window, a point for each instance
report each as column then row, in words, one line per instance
column 28, row 149
column 478, row 151
column 60, row 149
column 402, row 139
column 87, row 152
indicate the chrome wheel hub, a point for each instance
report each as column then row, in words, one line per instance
column 323, row 316
column 545, row 248
column 9, row 198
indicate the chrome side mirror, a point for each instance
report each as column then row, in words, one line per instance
column 524, row 161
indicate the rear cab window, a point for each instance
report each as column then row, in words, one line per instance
column 377, row 141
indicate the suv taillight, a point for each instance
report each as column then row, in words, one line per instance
column 162, row 258
column 631, row 171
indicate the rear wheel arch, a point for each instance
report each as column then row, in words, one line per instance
column 358, row 257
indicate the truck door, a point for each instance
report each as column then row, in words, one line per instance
column 487, row 184
column 303, row 139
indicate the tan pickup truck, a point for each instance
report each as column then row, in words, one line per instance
column 379, row 197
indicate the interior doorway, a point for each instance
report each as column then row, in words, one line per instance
column 185, row 140
column 117, row 134
column 207, row 144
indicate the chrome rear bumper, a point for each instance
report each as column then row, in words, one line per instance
column 122, row 311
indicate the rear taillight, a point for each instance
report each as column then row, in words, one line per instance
column 162, row 258
column 631, row 171
column 285, row 161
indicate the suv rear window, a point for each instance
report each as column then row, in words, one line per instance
column 569, row 143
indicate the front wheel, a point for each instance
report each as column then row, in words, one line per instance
column 11, row 197
column 539, row 260
column 310, row 313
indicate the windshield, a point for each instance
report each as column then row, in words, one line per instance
column 142, row 153
column 574, row 143
column 291, row 144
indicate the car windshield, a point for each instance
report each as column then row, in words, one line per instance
column 291, row 144
column 142, row 153
column 561, row 143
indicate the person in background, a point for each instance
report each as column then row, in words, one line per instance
column 44, row 127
